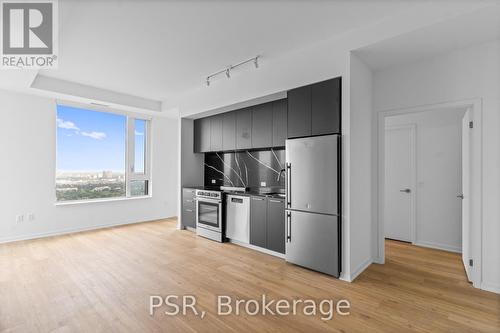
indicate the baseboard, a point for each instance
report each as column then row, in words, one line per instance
column 438, row 246
column 73, row 230
column 364, row 265
column 256, row 248
column 494, row 288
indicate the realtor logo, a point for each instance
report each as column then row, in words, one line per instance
column 29, row 34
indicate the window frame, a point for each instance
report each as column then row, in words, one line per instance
column 130, row 175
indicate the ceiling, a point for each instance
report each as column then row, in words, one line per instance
column 473, row 28
column 159, row 49
column 151, row 51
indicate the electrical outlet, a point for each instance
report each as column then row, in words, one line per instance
column 213, row 181
column 19, row 218
column 31, row 217
column 263, row 184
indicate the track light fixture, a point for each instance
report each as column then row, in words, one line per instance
column 227, row 70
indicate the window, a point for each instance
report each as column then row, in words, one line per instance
column 101, row 155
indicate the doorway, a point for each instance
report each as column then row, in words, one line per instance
column 427, row 167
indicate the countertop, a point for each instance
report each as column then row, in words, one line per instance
column 254, row 192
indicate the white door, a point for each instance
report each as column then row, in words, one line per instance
column 465, row 195
column 399, row 182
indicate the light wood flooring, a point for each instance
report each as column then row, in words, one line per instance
column 100, row 281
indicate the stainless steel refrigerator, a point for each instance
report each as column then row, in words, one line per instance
column 313, row 203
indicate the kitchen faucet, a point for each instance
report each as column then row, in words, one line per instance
column 279, row 175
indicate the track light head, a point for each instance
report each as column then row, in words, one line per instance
column 256, row 62
column 208, row 81
column 228, row 73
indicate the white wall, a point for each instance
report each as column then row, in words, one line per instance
column 468, row 73
column 360, row 165
column 27, row 146
column 439, row 176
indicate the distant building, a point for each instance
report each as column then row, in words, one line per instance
column 107, row 174
column 101, row 188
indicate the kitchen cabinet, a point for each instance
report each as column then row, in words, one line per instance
column 188, row 208
column 299, row 112
column 314, row 109
column 275, row 234
column 267, row 223
column 325, row 107
column 229, row 131
column 279, row 123
column 202, row 129
column 258, row 221
column 244, row 128
column 262, row 125
column 216, row 133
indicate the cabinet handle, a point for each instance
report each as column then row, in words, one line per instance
column 260, row 199
column 189, row 210
column 288, row 227
column 189, row 200
column 277, row 201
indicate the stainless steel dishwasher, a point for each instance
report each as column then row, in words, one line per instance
column 238, row 218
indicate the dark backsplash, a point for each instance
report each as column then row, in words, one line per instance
column 246, row 169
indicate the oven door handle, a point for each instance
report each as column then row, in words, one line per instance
column 208, row 200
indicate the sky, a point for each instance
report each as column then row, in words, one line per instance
column 90, row 140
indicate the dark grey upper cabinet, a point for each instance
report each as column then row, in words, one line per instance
column 216, row 133
column 299, row 112
column 276, row 225
column 258, row 217
column 202, row 135
column 229, row 131
column 244, row 128
column 279, row 122
column 262, row 126
column 325, row 107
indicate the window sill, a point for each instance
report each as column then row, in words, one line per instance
column 86, row 202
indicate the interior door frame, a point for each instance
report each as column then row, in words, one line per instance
column 413, row 183
column 476, row 228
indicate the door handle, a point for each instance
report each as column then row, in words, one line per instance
column 288, row 184
column 405, row 190
column 461, row 196
column 288, row 227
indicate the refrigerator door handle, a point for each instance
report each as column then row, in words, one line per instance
column 288, row 183
column 288, row 227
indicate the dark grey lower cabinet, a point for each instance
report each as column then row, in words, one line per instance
column 188, row 208
column 276, row 225
column 267, row 223
column 258, row 221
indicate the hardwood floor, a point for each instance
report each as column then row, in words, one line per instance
column 100, row 281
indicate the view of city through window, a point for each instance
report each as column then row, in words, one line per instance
column 91, row 150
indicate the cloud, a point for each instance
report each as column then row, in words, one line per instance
column 139, row 133
column 61, row 123
column 94, row 135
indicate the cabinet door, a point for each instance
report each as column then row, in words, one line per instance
column 262, row 126
column 276, row 225
column 229, row 131
column 325, row 107
column 258, row 221
column 244, row 128
column 279, row 123
column 216, row 133
column 202, row 135
column 299, row 112
column 188, row 208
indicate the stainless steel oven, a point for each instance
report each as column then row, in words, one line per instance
column 209, row 219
